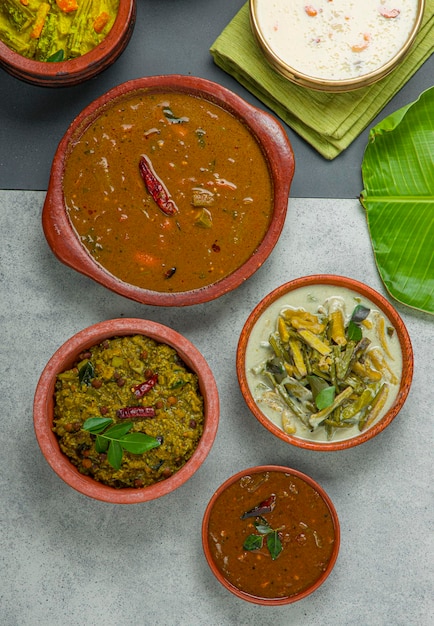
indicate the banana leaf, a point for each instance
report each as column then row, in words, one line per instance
column 398, row 196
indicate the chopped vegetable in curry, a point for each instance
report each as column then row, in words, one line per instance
column 328, row 371
column 55, row 30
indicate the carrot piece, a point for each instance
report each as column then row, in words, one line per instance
column 67, row 6
column 24, row 2
column 310, row 10
column 41, row 15
column 101, row 22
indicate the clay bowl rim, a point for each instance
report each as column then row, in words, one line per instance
column 328, row 85
column 384, row 305
column 267, row 130
column 64, row 357
column 79, row 69
column 235, row 590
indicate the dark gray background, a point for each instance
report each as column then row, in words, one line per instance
column 170, row 37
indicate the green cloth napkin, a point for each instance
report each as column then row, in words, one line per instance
column 329, row 122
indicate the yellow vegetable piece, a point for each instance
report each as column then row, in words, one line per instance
column 381, row 330
column 377, row 406
column 282, row 330
column 364, row 371
column 315, row 342
column 379, row 362
column 41, row 15
column 297, row 356
column 337, row 327
column 288, row 424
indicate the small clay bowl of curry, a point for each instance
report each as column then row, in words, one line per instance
column 126, row 411
column 169, row 190
column 325, row 362
column 64, row 42
column 271, row 535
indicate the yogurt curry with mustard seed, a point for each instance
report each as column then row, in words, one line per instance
column 168, row 191
column 139, row 388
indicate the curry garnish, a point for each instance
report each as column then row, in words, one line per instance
column 115, row 439
column 266, row 534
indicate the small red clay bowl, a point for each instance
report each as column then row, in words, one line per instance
column 64, row 358
column 267, row 131
column 300, row 503
column 80, row 69
column 310, row 292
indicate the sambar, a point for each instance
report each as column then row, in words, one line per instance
column 145, row 150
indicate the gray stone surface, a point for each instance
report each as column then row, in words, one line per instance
column 66, row 559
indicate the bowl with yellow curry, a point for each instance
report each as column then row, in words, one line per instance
column 56, row 43
column 325, row 362
column 126, row 411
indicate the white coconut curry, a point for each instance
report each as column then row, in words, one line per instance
column 323, row 363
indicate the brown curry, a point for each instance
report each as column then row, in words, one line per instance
column 168, row 191
column 273, row 508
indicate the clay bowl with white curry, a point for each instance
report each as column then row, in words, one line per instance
column 169, row 190
column 126, row 411
column 59, row 43
column 325, row 362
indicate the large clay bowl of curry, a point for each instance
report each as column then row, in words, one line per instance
column 101, row 32
column 169, row 190
column 82, row 472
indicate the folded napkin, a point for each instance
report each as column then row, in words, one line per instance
column 328, row 121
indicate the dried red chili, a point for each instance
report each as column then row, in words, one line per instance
column 156, row 187
column 143, row 388
column 136, row 412
column 266, row 506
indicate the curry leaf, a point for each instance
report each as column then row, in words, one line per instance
column 96, row 425
column 354, row 332
column 86, row 373
column 253, row 542
column 56, row 57
column 138, row 443
column 101, row 444
column 114, row 455
column 274, row 544
column 398, row 196
column 360, row 313
column 325, row 397
column 117, row 438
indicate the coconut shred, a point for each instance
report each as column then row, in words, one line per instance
column 336, row 39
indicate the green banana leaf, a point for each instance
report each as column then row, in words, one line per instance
column 398, row 196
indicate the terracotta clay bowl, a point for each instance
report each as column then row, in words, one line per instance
column 303, row 292
column 224, row 532
column 267, row 132
column 66, row 356
column 80, row 69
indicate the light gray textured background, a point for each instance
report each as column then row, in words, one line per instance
column 66, row 560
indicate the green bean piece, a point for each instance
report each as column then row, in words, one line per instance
column 293, row 405
column 318, row 418
column 294, row 387
column 374, row 410
column 276, row 343
column 19, row 15
column 344, row 360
